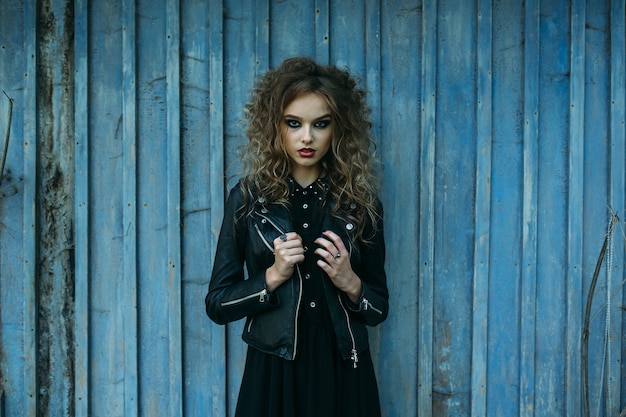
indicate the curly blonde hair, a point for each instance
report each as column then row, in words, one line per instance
column 351, row 164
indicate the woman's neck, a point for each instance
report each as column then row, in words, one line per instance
column 305, row 178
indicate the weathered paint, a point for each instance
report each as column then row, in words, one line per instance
column 501, row 128
column 55, row 210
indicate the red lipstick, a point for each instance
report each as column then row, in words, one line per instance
column 306, row 152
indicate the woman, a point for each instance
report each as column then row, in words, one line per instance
column 308, row 225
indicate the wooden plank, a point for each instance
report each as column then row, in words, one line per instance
column 217, row 183
column 529, row 213
column 398, row 335
column 174, row 265
column 597, row 178
column 29, row 221
column 155, row 198
column 454, row 206
column 505, row 249
column 427, row 209
column 18, row 120
column 552, row 144
column 482, row 227
column 55, row 210
column 617, row 202
column 109, row 337
column 575, row 215
column 81, row 234
column 128, row 282
column 202, row 170
column 216, row 126
column 240, row 45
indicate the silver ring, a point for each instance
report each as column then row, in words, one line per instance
column 338, row 255
column 283, row 237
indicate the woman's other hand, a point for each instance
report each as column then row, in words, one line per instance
column 336, row 264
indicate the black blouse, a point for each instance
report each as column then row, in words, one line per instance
column 307, row 211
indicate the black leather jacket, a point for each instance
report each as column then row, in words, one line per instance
column 271, row 324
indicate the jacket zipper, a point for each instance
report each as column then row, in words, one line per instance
column 277, row 227
column 258, row 231
column 295, row 333
column 281, row 231
column 354, row 355
column 367, row 305
column 261, row 295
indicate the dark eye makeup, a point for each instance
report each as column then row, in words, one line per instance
column 320, row 124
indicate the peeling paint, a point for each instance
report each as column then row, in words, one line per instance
column 55, row 211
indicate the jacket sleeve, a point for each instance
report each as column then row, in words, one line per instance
column 231, row 296
column 373, row 305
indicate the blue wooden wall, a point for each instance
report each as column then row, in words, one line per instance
column 500, row 124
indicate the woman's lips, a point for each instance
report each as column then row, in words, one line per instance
column 306, row 152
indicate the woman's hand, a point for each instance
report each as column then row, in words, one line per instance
column 336, row 264
column 288, row 251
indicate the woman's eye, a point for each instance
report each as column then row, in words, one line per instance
column 292, row 123
column 322, row 124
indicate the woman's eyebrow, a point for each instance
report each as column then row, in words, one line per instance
column 293, row 116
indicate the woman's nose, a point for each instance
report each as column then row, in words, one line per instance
column 307, row 136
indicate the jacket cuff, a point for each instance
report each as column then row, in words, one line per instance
column 354, row 306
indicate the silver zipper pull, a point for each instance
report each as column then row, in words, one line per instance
column 366, row 305
column 262, row 295
column 354, row 357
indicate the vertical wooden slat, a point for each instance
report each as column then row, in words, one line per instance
column 81, row 163
column 216, row 150
column 398, row 341
column 30, row 223
column 529, row 211
column 203, row 341
column 173, row 205
column 575, row 209
column 483, row 210
column 427, row 208
column 129, row 215
column 217, row 165
column 616, row 197
column 322, row 31
column 239, row 71
column 373, row 63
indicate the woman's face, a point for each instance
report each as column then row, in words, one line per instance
column 307, row 135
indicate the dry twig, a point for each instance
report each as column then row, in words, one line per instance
column 585, row 346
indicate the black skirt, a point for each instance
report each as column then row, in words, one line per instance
column 318, row 383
